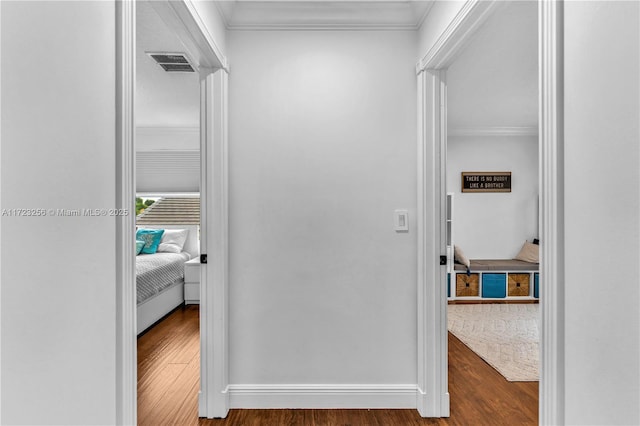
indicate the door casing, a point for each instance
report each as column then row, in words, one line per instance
column 182, row 18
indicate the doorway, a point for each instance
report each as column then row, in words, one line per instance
column 432, row 397
column 184, row 20
column 432, row 132
column 492, row 186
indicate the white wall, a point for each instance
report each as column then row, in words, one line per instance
column 494, row 79
column 322, row 288
column 492, row 89
column 602, row 207
column 163, row 99
column 167, row 138
column 58, row 273
column 167, row 159
column 494, row 225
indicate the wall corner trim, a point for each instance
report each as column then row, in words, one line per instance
column 457, row 34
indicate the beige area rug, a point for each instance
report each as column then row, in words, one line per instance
column 505, row 335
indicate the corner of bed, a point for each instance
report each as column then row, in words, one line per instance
column 160, row 278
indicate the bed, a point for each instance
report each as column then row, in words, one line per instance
column 160, row 278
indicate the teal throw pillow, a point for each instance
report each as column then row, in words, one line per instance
column 151, row 238
column 139, row 246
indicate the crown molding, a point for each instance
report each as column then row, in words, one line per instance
column 301, row 23
column 168, row 129
column 323, row 27
column 494, row 131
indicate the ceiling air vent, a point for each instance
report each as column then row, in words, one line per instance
column 172, row 62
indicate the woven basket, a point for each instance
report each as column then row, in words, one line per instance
column 467, row 285
column 519, row 284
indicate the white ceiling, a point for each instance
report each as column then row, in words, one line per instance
column 314, row 14
column 162, row 99
column 494, row 81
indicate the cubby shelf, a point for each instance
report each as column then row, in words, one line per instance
column 485, row 285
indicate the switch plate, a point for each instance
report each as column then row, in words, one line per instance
column 401, row 220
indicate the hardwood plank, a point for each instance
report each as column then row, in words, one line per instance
column 176, row 404
column 153, row 387
column 167, row 389
column 176, row 341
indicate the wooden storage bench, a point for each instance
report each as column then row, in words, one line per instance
column 495, row 279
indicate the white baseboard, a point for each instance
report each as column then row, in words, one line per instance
column 445, row 409
column 202, row 412
column 322, row 396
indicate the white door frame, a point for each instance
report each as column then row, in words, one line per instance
column 213, row 399
column 551, row 136
column 433, row 392
column 183, row 19
column 433, row 397
column 126, row 365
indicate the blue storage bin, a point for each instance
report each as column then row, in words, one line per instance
column 536, row 285
column 494, row 285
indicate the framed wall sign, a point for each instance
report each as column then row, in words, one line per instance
column 486, row 181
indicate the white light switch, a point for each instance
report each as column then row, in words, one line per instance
column 401, row 220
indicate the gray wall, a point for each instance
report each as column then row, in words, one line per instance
column 602, row 207
column 321, row 152
column 58, row 273
column 494, row 225
column 319, row 259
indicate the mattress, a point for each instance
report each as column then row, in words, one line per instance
column 507, row 265
column 155, row 272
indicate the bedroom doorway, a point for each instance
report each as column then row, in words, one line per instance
column 167, row 179
column 208, row 136
column 492, row 192
column 432, row 191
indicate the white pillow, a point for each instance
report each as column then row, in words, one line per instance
column 173, row 240
column 460, row 257
column 529, row 253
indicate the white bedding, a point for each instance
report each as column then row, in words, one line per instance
column 155, row 272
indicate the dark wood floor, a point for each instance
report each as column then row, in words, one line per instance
column 168, row 383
